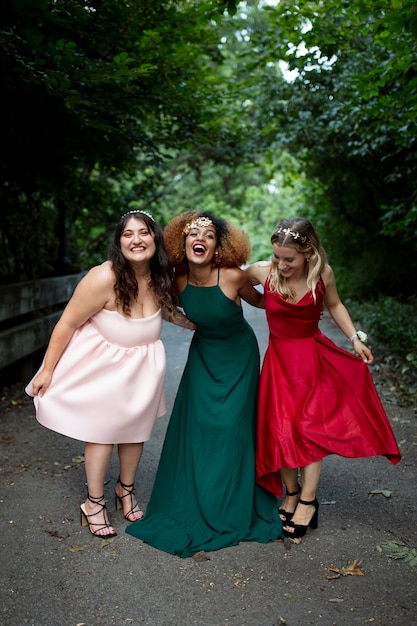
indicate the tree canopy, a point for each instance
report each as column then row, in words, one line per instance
column 93, row 92
column 255, row 109
column 347, row 113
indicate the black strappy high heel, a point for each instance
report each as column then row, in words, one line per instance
column 286, row 514
column 133, row 504
column 85, row 518
column 300, row 529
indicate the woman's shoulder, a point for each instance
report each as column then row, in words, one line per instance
column 327, row 277
column 234, row 276
column 101, row 275
column 262, row 265
column 97, row 286
column 258, row 272
column 327, row 274
column 231, row 272
column 104, row 271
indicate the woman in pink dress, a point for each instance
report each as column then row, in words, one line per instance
column 102, row 377
column 315, row 398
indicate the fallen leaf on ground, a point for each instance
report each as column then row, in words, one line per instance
column 78, row 459
column 382, row 492
column 288, row 541
column 76, row 549
column 201, row 556
column 353, row 569
column 55, row 533
column 398, row 550
column 240, row 581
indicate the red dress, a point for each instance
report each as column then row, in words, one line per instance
column 315, row 398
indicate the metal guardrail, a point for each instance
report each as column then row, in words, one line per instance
column 28, row 314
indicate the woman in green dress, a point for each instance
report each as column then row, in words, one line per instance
column 205, row 496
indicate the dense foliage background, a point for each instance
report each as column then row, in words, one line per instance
column 255, row 110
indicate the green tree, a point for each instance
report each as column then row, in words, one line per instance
column 348, row 114
column 240, row 175
column 93, row 92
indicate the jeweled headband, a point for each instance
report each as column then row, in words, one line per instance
column 294, row 234
column 199, row 222
column 137, row 211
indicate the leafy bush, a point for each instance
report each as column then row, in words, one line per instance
column 392, row 324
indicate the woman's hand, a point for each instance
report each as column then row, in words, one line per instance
column 41, row 382
column 362, row 351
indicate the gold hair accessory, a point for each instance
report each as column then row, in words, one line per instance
column 294, row 234
column 137, row 211
column 199, row 222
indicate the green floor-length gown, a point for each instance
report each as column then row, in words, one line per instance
column 204, row 496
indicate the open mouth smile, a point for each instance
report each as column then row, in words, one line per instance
column 199, row 249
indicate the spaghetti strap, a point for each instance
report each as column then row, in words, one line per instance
column 218, row 276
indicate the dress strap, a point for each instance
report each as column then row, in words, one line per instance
column 218, row 276
column 268, row 279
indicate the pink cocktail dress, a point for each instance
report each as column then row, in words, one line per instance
column 108, row 386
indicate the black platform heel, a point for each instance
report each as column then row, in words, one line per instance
column 85, row 518
column 133, row 504
column 299, row 530
column 286, row 514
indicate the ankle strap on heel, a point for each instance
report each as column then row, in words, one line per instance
column 308, row 502
column 95, row 500
column 129, row 488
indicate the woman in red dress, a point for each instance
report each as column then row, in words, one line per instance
column 315, row 398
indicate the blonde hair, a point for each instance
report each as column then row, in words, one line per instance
column 232, row 242
column 298, row 233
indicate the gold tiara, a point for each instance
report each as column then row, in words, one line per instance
column 199, row 222
column 294, row 234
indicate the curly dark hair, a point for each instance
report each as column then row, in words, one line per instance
column 126, row 285
column 233, row 243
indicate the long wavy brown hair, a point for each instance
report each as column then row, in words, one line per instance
column 126, row 285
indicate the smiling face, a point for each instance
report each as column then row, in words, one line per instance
column 137, row 242
column 290, row 262
column 201, row 244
